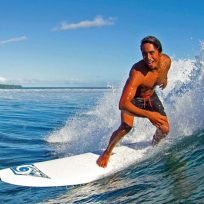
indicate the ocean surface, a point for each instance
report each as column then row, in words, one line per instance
column 43, row 124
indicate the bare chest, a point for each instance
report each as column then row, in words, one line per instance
column 153, row 79
column 150, row 81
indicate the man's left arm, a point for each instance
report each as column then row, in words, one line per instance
column 167, row 65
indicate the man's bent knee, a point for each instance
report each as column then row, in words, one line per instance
column 125, row 127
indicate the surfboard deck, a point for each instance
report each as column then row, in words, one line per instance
column 73, row 170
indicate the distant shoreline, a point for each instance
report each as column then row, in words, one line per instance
column 8, row 86
column 81, row 87
column 68, row 87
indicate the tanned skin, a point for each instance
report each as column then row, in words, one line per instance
column 143, row 78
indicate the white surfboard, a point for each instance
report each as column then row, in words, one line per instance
column 79, row 169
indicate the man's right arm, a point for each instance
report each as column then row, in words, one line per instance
column 129, row 92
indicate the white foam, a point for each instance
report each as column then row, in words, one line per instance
column 87, row 129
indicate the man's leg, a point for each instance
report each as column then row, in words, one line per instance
column 163, row 129
column 160, row 133
column 125, row 127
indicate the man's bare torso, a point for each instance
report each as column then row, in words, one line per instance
column 151, row 78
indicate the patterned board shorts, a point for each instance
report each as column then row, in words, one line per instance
column 151, row 103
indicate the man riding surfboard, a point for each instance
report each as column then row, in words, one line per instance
column 139, row 97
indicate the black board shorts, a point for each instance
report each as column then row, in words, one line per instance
column 151, row 104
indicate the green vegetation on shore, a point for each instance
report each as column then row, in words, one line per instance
column 8, row 86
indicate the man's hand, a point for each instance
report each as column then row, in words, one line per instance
column 159, row 121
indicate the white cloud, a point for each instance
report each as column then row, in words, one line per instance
column 12, row 40
column 2, row 79
column 96, row 22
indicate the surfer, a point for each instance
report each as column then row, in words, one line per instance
column 139, row 97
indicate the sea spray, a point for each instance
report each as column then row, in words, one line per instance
column 87, row 130
column 183, row 102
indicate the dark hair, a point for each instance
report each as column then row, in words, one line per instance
column 153, row 40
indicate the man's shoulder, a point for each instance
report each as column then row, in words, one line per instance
column 139, row 66
column 165, row 62
column 166, row 58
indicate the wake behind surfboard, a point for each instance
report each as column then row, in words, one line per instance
column 74, row 170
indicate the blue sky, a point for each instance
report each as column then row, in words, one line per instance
column 90, row 42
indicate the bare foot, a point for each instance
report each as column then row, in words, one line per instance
column 103, row 160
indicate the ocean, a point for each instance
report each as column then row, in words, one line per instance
column 43, row 124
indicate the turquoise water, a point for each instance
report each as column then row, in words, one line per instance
column 43, row 124
column 35, row 126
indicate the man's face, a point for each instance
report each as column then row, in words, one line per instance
column 151, row 55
